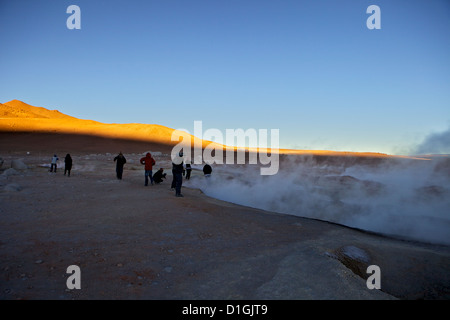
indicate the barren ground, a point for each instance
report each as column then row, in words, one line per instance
column 136, row 242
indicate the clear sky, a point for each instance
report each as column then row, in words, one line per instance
column 311, row 69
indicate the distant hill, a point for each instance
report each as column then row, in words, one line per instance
column 19, row 109
column 17, row 116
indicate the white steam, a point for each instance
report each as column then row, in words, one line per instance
column 405, row 198
column 435, row 143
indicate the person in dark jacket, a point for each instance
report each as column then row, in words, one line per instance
column 177, row 171
column 149, row 163
column 207, row 170
column 159, row 176
column 120, row 161
column 67, row 164
column 188, row 170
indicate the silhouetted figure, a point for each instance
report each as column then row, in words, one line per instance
column 54, row 164
column 207, row 170
column 159, row 176
column 177, row 171
column 149, row 163
column 188, row 171
column 172, row 186
column 120, row 161
column 67, row 164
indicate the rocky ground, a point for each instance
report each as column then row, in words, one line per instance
column 136, row 242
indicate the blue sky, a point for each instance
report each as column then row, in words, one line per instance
column 311, row 69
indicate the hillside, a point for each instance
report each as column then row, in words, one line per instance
column 19, row 109
column 19, row 117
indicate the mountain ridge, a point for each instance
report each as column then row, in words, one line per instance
column 18, row 116
column 20, row 109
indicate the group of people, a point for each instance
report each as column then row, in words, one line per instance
column 178, row 170
column 67, row 164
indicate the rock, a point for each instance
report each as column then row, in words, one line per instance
column 168, row 269
column 13, row 187
column 354, row 258
column 18, row 164
column 10, row 172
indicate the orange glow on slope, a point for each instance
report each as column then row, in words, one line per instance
column 17, row 116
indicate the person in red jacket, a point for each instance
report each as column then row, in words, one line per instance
column 149, row 162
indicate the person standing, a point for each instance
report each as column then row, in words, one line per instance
column 172, row 186
column 54, row 164
column 177, row 171
column 149, row 162
column 120, row 162
column 188, row 170
column 67, row 164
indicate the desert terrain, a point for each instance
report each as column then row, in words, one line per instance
column 137, row 242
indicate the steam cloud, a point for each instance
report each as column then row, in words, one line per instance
column 405, row 198
column 436, row 143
